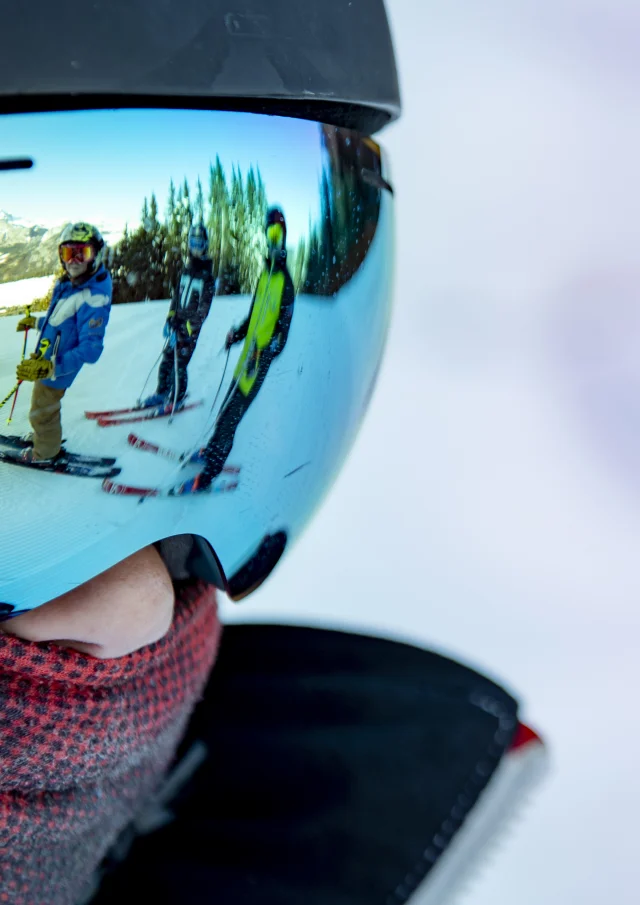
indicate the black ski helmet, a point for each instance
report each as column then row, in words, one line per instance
column 326, row 60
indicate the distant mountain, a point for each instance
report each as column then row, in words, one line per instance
column 16, row 221
column 28, row 250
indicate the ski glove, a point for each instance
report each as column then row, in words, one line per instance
column 230, row 340
column 34, row 369
column 27, row 323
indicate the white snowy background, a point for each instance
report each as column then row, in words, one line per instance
column 12, row 295
column 491, row 507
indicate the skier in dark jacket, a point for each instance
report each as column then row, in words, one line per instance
column 265, row 332
column 190, row 305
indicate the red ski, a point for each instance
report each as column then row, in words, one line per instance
column 144, row 445
column 119, row 489
column 112, row 413
column 93, row 416
column 145, row 415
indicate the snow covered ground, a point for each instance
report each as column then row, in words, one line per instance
column 22, row 292
column 491, row 506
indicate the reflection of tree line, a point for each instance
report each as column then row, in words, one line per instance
column 146, row 262
column 350, row 199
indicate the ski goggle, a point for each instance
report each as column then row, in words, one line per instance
column 78, row 252
column 197, row 243
column 230, row 437
column 275, row 236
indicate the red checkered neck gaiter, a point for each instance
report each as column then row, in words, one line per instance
column 84, row 744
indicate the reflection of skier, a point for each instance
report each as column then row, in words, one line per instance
column 189, row 307
column 71, row 335
column 265, row 333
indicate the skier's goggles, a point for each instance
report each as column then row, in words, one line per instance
column 275, row 235
column 80, row 252
column 265, row 391
column 197, row 244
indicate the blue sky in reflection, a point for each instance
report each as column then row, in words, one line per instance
column 99, row 165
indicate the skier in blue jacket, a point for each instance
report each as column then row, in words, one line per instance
column 71, row 335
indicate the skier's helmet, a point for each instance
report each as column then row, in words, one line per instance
column 83, row 242
column 198, row 241
column 220, row 135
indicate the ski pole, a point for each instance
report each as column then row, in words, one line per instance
column 24, row 352
column 26, row 333
column 176, row 375
column 15, row 399
column 152, row 369
column 215, row 398
column 186, row 457
column 9, row 395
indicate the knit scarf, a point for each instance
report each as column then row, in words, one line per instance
column 85, row 743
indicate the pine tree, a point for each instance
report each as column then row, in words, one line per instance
column 218, row 220
column 153, row 214
column 321, row 244
column 185, row 217
column 171, row 205
column 147, row 261
column 198, row 206
column 173, row 238
column 298, row 264
column 256, row 212
column 350, row 208
column 150, row 244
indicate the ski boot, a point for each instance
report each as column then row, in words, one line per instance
column 192, row 485
column 155, row 400
column 27, row 455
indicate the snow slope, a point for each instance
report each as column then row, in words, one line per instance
column 23, row 292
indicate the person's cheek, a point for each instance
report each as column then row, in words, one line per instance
column 123, row 609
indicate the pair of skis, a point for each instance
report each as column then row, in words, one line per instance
column 136, row 414
column 180, row 458
column 75, row 464
column 104, row 467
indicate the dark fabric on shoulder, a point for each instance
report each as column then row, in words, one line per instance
column 335, row 761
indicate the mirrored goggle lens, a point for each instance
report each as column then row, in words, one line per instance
column 275, row 235
column 197, row 244
column 222, row 391
column 78, row 252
